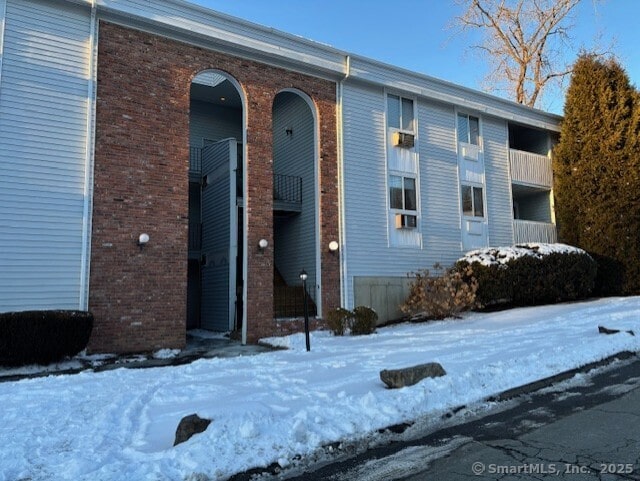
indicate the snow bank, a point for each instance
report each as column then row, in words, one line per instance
column 501, row 255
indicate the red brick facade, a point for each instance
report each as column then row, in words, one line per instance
column 138, row 295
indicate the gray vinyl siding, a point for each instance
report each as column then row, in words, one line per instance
column 439, row 183
column 365, row 198
column 294, row 155
column 498, row 182
column 536, row 207
column 43, row 149
column 368, row 251
column 212, row 122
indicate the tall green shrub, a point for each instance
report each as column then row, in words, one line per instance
column 597, row 172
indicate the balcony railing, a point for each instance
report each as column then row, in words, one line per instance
column 287, row 188
column 530, row 168
column 529, row 231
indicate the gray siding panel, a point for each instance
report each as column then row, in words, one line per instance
column 212, row 122
column 498, row 183
column 440, row 197
column 294, row 155
column 366, row 210
column 43, row 127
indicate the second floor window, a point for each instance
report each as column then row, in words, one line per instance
column 402, row 192
column 468, row 129
column 472, row 201
column 400, row 113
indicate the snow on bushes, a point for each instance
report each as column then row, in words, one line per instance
column 530, row 274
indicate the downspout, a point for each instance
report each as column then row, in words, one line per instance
column 342, row 235
column 88, row 162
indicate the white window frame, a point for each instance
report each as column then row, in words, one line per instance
column 468, row 139
column 403, row 177
column 473, row 186
column 400, row 128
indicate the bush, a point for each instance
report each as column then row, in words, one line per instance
column 42, row 337
column 339, row 319
column 529, row 274
column 440, row 296
column 364, row 321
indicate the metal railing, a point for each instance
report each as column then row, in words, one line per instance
column 288, row 301
column 529, row 231
column 287, row 188
column 530, row 168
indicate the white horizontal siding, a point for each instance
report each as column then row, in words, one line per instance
column 365, row 175
column 43, row 125
column 498, row 183
column 440, row 193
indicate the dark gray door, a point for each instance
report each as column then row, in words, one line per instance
column 219, row 235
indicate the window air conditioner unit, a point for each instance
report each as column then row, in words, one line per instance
column 406, row 221
column 402, row 139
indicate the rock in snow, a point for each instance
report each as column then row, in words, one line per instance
column 190, row 425
column 395, row 378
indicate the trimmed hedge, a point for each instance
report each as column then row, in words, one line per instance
column 532, row 278
column 361, row 321
column 42, row 337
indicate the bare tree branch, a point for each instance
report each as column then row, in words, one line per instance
column 523, row 39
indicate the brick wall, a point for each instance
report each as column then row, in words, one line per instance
column 138, row 296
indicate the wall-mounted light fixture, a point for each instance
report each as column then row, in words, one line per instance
column 263, row 244
column 333, row 246
column 289, row 131
column 143, row 239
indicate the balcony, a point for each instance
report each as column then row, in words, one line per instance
column 531, row 231
column 530, row 169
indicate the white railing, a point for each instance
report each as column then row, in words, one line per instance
column 529, row 231
column 530, row 168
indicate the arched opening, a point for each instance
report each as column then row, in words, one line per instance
column 215, row 274
column 295, row 211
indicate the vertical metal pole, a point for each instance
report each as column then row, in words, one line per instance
column 306, row 314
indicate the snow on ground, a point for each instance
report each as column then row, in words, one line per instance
column 120, row 424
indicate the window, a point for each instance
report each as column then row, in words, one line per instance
column 468, row 129
column 399, row 113
column 402, row 193
column 472, row 201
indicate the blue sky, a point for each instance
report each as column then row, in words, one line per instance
column 413, row 33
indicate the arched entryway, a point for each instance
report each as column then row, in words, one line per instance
column 296, row 217
column 216, row 138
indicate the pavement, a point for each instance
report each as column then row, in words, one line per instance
column 564, row 427
column 199, row 345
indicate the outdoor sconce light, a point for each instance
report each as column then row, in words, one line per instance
column 289, row 131
column 143, row 240
column 303, row 278
column 262, row 244
column 333, row 246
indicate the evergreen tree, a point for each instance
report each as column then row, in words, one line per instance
column 597, row 172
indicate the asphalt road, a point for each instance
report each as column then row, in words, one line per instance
column 587, row 428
